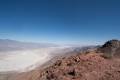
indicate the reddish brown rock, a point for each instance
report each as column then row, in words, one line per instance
column 90, row 66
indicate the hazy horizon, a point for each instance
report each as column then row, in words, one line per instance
column 58, row 43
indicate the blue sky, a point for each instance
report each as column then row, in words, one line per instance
column 60, row 21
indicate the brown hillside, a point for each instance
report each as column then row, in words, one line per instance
column 90, row 66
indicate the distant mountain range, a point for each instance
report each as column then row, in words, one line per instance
column 9, row 45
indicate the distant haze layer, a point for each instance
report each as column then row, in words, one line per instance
column 23, row 56
column 26, row 59
column 11, row 45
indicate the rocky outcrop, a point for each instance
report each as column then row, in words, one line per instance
column 91, row 66
column 111, row 48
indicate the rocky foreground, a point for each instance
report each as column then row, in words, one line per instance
column 91, row 65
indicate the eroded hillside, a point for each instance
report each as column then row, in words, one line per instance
column 91, row 65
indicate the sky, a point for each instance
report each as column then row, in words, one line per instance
column 60, row 21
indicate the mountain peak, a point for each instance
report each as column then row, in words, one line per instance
column 111, row 48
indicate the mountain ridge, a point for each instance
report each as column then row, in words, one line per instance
column 9, row 45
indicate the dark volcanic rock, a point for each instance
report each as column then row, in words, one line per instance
column 111, row 48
